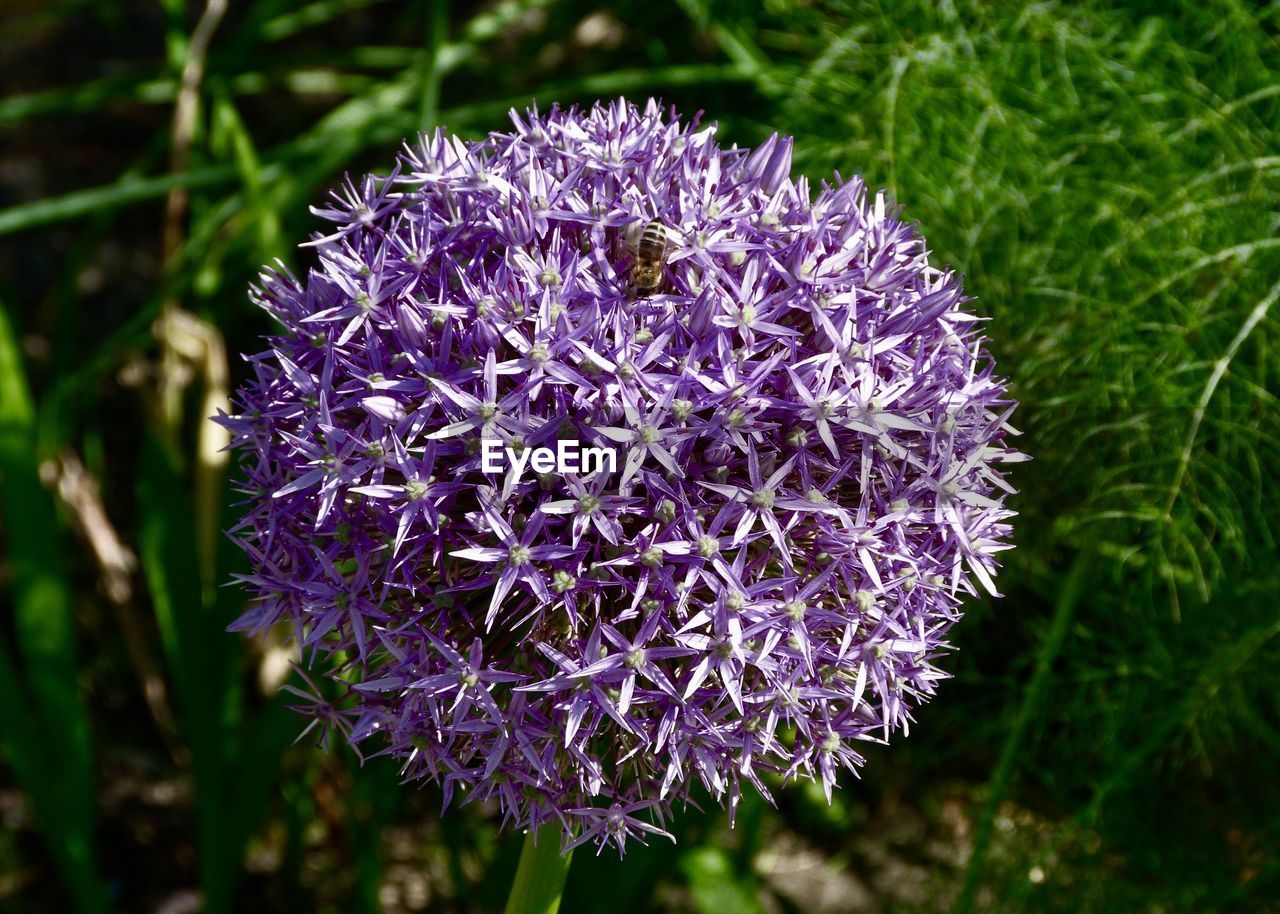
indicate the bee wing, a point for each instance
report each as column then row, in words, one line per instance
column 630, row 236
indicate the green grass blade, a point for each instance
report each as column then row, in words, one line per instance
column 374, row 788
column 93, row 96
column 84, row 97
column 195, row 647
column 122, row 193
column 258, row 766
column 46, row 732
column 234, row 766
column 1037, row 689
column 378, row 115
column 265, row 218
column 309, row 16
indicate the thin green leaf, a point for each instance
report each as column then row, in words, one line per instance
column 46, row 733
column 374, row 787
column 196, row 648
column 264, row 215
column 1007, row 766
column 258, row 768
column 123, row 193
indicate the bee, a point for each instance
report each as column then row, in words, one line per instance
column 646, row 271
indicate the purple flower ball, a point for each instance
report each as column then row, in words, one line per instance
column 601, row 462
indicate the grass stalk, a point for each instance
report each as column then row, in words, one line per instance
column 1037, row 689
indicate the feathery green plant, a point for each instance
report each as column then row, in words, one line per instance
column 1108, row 180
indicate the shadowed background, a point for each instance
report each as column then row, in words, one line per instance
column 1107, row 179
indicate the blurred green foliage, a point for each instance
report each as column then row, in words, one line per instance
column 1106, row 176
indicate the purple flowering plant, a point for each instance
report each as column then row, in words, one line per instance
column 810, row 438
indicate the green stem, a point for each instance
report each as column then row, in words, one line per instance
column 432, row 73
column 541, row 874
column 1006, row 768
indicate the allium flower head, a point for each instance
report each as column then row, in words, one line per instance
column 809, row 436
